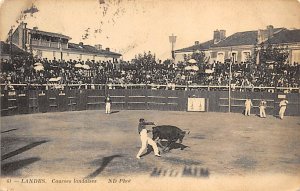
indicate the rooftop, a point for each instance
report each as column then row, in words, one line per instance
column 33, row 31
column 286, row 36
column 5, row 49
column 203, row 46
column 91, row 49
column 242, row 38
column 281, row 35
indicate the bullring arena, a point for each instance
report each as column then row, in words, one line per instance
column 88, row 144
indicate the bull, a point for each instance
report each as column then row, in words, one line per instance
column 169, row 133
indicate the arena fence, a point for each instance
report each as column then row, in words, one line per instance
column 54, row 100
column 148, row 86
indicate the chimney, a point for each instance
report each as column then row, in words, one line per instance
column 24, row 39
column 216, row 36
column 20, row 38
column 98, row 46
column 80, row 43
column 260, row 36
column 270, row 30
column 107, row 49
column 196, row 42
column 222, row 34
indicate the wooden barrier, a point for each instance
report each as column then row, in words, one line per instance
column 119, row 98
column 23, row 103
column 34, row 101
column 4, row 103
column 53, row 100
column 95, row 99
column 12, row 105
column 72, row 100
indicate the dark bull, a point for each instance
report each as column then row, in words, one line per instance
column 168, row 132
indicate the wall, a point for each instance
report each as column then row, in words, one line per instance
column 67, row 55
column 213, row 52
column 138, row 99
column 235, row 49
column 295, row 56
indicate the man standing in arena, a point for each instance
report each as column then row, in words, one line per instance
column 262, row 107
column 283, row 103
column 248, row 105
column 145, row 139
column 107, row 104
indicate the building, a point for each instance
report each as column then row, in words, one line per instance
column 6, row 51
column 240, row 46
column 57, row 46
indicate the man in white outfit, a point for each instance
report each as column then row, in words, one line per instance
column 107, row 104
column 248, row 105
column 262, row 107
column 145, row 139
column 283, row 103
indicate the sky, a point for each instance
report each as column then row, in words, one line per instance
column 136, row 26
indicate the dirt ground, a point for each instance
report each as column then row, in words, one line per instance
column 91, row 144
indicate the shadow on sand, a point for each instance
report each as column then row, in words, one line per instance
column 8, row 130
column 104, row 162
column 10, row 169
column 22, row 149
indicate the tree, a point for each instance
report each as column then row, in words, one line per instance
column 197, row 55
column 271, row 53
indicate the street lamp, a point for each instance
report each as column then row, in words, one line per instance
column 60, row 48
column 172, row 40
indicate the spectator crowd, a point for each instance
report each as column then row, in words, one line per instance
column 146, row 69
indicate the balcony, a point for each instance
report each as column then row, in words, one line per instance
column 47, row 44
column 54, row 44
column 35, row 42
column 64, row 46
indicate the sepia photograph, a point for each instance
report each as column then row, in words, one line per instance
column 150, row 95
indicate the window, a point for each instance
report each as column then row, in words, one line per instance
column 220, row 57
column 213, row 54
column 232, row 55
column 246, row 55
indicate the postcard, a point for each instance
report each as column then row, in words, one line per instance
column 150, row 95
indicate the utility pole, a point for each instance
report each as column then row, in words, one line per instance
column 230, row 76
